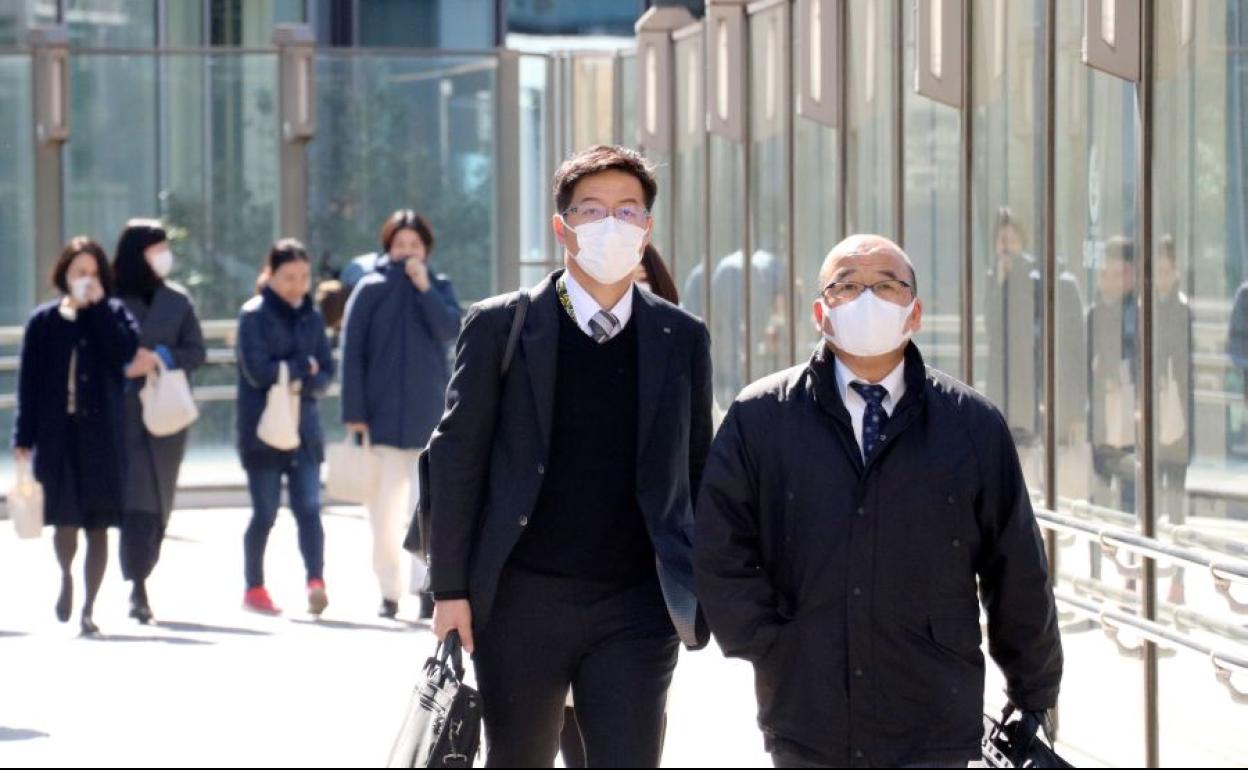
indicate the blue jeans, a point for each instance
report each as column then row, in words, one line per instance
column 303, row 481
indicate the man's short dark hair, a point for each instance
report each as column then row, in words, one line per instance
column 596, row 160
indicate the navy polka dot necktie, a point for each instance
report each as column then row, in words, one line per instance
column 876, row 419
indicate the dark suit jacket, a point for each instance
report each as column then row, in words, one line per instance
column 487, row 456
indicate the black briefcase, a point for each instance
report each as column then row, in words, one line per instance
column 442, row 727
column 1018, row 742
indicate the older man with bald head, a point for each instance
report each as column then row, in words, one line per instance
column 855, row 513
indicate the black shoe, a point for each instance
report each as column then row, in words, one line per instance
column 389, row 609
column 426, row 605
column 89, row 628
column 140, row 611
column 65, row 603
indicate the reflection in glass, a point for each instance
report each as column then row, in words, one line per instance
column 933, row 216
column 816, row 220
column 688, row 260
column 770, row 348
column 1200, row 359
column 871, row 85
column 1095, row 231
column 728, row 301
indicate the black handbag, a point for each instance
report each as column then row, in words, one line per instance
column 1018, row 743
column 417, row 539
column 442, row 727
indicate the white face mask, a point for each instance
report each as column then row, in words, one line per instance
column 609, row 249
column 162, row 263
column 868, row 326
column 79, row 287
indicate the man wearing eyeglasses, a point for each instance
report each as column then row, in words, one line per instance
column 562, row 492
column 850, row 507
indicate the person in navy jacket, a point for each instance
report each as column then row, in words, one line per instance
column 282, row 325
column 400, row 323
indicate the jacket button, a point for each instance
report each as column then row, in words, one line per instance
column 524, row 521
column 858, row 753
column 950, row 499
column 862, row 512
column 858, row 673
column 956, row 542
column 857, row 591
column 541, row 470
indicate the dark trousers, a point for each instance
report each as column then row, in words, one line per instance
column 303, row 481
column 616, row 649
column 142, row 534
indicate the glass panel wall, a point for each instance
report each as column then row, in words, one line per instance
column 769, row 286
column 17, row 229
column 728, row 300
column 933, row 218
column 872, row 128
column 1200, row 354
column 537, row 255
column 688, row 259
column 206, row 161
column 17, row 16
column 111, row 23
column 1096, row 235
column 193, row 140
column 1008, row 220
column 17, row 214
column 397, row 131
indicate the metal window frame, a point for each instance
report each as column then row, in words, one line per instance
column 947, row 86
column 729, row 75
column 1122, row 58
column 823, row 108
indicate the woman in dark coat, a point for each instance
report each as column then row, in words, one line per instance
column 400, row 323
column 70, row 412
column 169, row 332
column 282, row 325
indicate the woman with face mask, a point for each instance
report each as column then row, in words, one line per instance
column 280, row 326
column 169, row 337
column 400, row 323
column 70, row 413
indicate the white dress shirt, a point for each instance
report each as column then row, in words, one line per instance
column 586, row 307
column 894, row 383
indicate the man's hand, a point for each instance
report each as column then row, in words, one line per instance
column 454, row 615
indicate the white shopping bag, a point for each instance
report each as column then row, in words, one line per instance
column 25, row 502
column 352, row 473
column 279, row 425
column 168, row 405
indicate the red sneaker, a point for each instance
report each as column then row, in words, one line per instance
column 258, row 600
column 317, row 598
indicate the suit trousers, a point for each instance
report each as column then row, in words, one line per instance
column 614, row 646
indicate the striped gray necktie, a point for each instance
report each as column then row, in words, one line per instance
column 603, row 326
